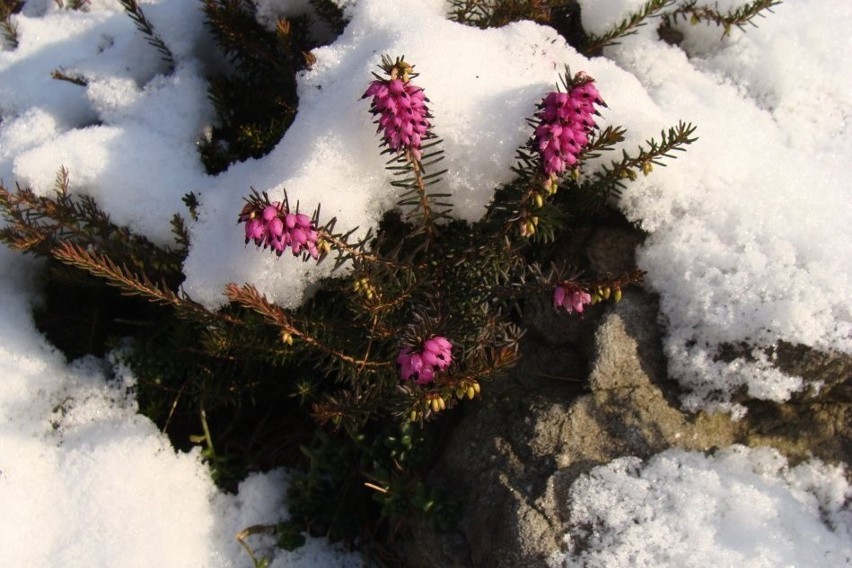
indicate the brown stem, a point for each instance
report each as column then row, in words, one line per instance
column 251, row 298
column 428, row 218
column 340, row 244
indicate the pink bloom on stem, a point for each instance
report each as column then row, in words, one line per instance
column 270, row 212
column 572, row 300
column 275, row 227
column 272, row 226
column 255, row 231
column 439, row 351
column 565, row 120
column 421, row 366
column 403, row 118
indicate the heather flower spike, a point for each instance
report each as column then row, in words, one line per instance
column 421, row 366
column 565, row 120
column 571, row 299
column 400, row 108
column 274, row 226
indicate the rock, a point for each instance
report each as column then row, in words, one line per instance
column 612, row 248
column 590, row 389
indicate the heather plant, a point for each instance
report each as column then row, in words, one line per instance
column 432, row 301
column 564, row 16
column 421, row 315
column 355, row 386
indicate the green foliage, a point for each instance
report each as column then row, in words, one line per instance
column 496, row 13
column 651, row 8
column 564, row 18
column 147, row 29
column 670, row 11
column 214, row 372
column 330, row 13
column 610, row 180
column 562, row 15
column 369, row 484
column 420, row 275
column 245, row 381
column 696, row 12
column 39, row 224
column 256, row 102
column 7, row 26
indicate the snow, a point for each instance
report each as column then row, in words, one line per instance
column 738, row 507
column 749, row 244
column 749, row 229
column 87, row 481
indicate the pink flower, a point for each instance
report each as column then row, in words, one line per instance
column 436, row 355
column 273, row 226
column 403, row 117
column 572, row 300
column 255, row 231
column 565, row 121
column 438, row 351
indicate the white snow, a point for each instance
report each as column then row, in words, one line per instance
column 738, row 507
column 749, row 234
column 87, row 481
column 750, row 228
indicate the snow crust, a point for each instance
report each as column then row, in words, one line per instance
column 749, row 229
column 738, row 507
column 87, row 481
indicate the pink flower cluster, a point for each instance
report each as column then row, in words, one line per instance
column 274, row 227
column 421, row 366
column 572, row 300
column 403, row 116
column 565, row 120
